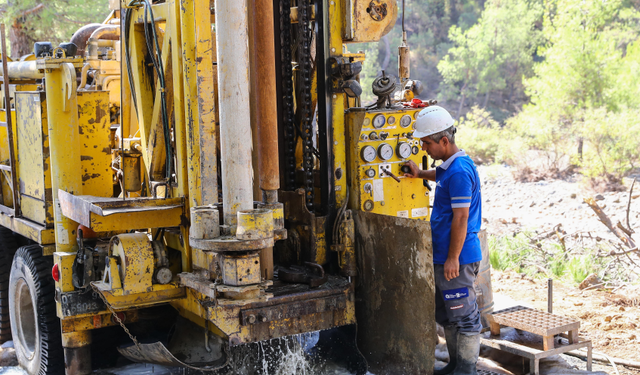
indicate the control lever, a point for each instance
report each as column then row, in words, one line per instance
column 388, row 173
column 424, row 168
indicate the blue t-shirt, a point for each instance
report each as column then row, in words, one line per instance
column 457, row 185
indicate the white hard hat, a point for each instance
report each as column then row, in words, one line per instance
column 432, row 120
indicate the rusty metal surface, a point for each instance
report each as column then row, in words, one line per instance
column 293, row 309
column 80, row 37
column 534, row 321
column 307, row 232
column 395, row 308
column 241, row 269
column 79, row 207
column 263, row 54
column 230, row 243
column 370, row 20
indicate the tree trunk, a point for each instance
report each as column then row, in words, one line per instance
column 486, row 99
column 21, row 42
column 20, row 38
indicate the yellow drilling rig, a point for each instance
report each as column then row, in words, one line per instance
column 208, row 166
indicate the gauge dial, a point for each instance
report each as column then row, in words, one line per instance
column 370, row 173
column 385, row 151
column 366, row 122
column 368, row 153
column 368, row 205
column 379, row 121
column 415, row 150
column 403, row 150
column 368, row 188
column 405, row 121
column 391, row 120
column 415, row 114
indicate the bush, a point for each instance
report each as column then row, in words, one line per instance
column 479, row 135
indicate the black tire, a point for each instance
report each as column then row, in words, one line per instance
column 8, row 247
column 34, row 324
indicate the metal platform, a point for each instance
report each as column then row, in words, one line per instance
column 535, row 321
column 539, row 323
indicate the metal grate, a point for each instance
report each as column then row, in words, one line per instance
column 535, row 321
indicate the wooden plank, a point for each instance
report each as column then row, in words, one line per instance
column 530, row 352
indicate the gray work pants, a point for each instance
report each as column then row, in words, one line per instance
column 456, row 299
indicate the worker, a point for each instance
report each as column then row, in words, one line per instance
column 455, row 222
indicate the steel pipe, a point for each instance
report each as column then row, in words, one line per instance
column 264, row 63
column 235, row 123
column 22, row 70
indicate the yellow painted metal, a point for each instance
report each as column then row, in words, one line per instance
column 37, row 233
column 95, row 153
column 5, row 176
column 64, row 141
column 361, row 26
column 76, row 339
column 254, row 224
column 65, row 263
column 136, row 261
column 94, row 321
column 240, row 269
column 227, row 324
column 157, row 295
column 153, row 153
column 127, row 221
column 199, row 104
column 206, row 261
column 34, row 174
column 381, row 193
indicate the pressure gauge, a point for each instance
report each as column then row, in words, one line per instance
column 391, row 120
column 403, row 150
column 405, row 121
column 368, row 154
column 379, row 121
column 385, row 151
column 415, row 114
column 371, row 173
column 366, row 122
column 415, row 150
column 368, row 205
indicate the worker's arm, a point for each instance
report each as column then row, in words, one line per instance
column 419, row 173
column 458, row 235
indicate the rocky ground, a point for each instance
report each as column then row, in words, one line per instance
column 609, row 314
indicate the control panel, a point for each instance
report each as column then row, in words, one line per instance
column 380, row 143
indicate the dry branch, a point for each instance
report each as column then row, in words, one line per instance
column 604, row 219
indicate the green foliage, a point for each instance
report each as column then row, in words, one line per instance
column 494, row 54
column 546, row 258
column 52, row 20
column 479, row 134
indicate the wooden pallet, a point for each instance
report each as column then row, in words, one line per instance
column 535, row 321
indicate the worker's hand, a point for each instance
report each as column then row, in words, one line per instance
column 415, row 171
column 451, row 269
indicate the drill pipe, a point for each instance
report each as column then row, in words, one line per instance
column 264, row 71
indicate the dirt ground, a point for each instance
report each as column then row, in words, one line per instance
column 611, row 320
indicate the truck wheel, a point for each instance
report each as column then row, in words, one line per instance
column 8, row 247
column 34, row 324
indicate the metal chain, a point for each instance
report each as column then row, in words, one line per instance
column 287, row 91
column 304, row 57
column 126, row 330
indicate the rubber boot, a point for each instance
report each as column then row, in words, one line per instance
column 451, row 336
column 468, row 351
